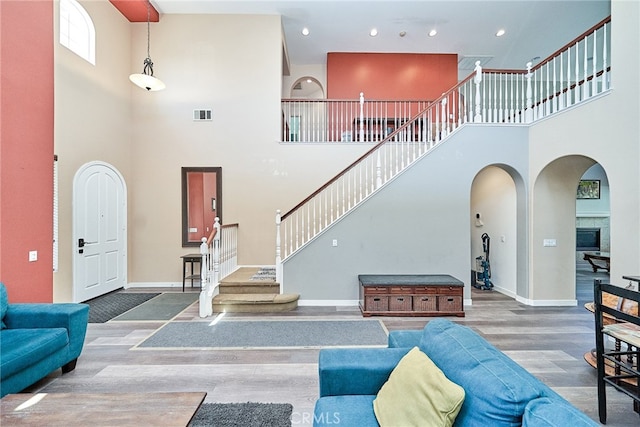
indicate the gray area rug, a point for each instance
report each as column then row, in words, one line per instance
column 163, row 307
column 106, row 307
column 243, row 415
column 269, row 334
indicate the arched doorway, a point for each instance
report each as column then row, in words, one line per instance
column 307, row 87
column 498, row 209
column 553, row 231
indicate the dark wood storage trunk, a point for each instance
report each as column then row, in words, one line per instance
column 411, row 295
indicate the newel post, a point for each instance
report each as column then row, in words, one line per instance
column 528, row 112
column 361, row 132
column 204, row 278
column 477, row 118
column 278, row 250
column 216, row 257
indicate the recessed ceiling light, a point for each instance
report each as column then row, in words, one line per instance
column 433, row 32
column 373, row 32
column 500, row 33
column 305, row 31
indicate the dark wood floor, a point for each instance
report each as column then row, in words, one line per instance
column 549, row 341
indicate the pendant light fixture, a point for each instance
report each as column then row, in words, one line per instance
column 146, row 80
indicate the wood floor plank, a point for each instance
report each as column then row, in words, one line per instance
column 550, row 341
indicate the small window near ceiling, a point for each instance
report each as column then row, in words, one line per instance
column 77, row 31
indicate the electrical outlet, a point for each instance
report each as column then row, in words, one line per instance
column 33, row 256
column 335, row 242
column 549, row 243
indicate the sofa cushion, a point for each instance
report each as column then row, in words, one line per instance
column 418, row 394
column 546, row 412
column 354, row 410
column 497, row 389
column 4, row 303
column 21, row 348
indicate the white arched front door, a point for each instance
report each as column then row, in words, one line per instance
column 99, row 231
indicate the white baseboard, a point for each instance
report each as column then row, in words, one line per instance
column 325, row 303
column 547, row 303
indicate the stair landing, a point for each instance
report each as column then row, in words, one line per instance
column 252, row 290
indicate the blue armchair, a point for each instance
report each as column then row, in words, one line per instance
column 36, row 339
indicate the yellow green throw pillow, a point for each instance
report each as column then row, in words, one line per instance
column 418, row 393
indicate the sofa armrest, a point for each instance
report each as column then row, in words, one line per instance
column 71, row 316
column 404, row 339
column 349, row 371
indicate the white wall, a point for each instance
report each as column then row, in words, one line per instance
column 416, row 224
column 92, row 118
column 232, row 65
column 605, row 131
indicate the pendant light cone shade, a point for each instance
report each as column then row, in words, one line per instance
column 146, row 80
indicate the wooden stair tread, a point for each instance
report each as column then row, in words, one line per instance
column 255, row 298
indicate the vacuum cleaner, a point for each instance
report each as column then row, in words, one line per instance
column 483, row 266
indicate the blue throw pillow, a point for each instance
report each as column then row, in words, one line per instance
column 4, row 303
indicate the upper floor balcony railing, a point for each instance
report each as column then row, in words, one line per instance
column 334, row 120
column 572, row 74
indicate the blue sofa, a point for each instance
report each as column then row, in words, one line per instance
column 498, row 391
column 37, row 339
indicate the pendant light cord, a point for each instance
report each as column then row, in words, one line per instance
column 148, row 27
column 148, row 64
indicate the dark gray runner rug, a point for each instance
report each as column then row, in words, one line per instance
column 243, row 415
column 269, row 334
column 163, row 307
column 106, row 307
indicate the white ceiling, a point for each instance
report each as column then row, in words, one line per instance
column 465, row 27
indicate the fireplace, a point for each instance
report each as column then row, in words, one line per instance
column 587, row 239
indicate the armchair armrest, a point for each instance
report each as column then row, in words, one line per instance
column 71, row 316
column 356, row 371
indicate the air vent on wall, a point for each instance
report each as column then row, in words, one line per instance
column 202, row 115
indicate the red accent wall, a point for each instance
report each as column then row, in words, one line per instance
column 392, row 76
column 26, row 149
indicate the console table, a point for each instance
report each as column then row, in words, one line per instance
column 194, row 275
column 411, row 295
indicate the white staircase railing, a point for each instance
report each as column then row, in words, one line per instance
column 219, row 259
column 570, row 76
